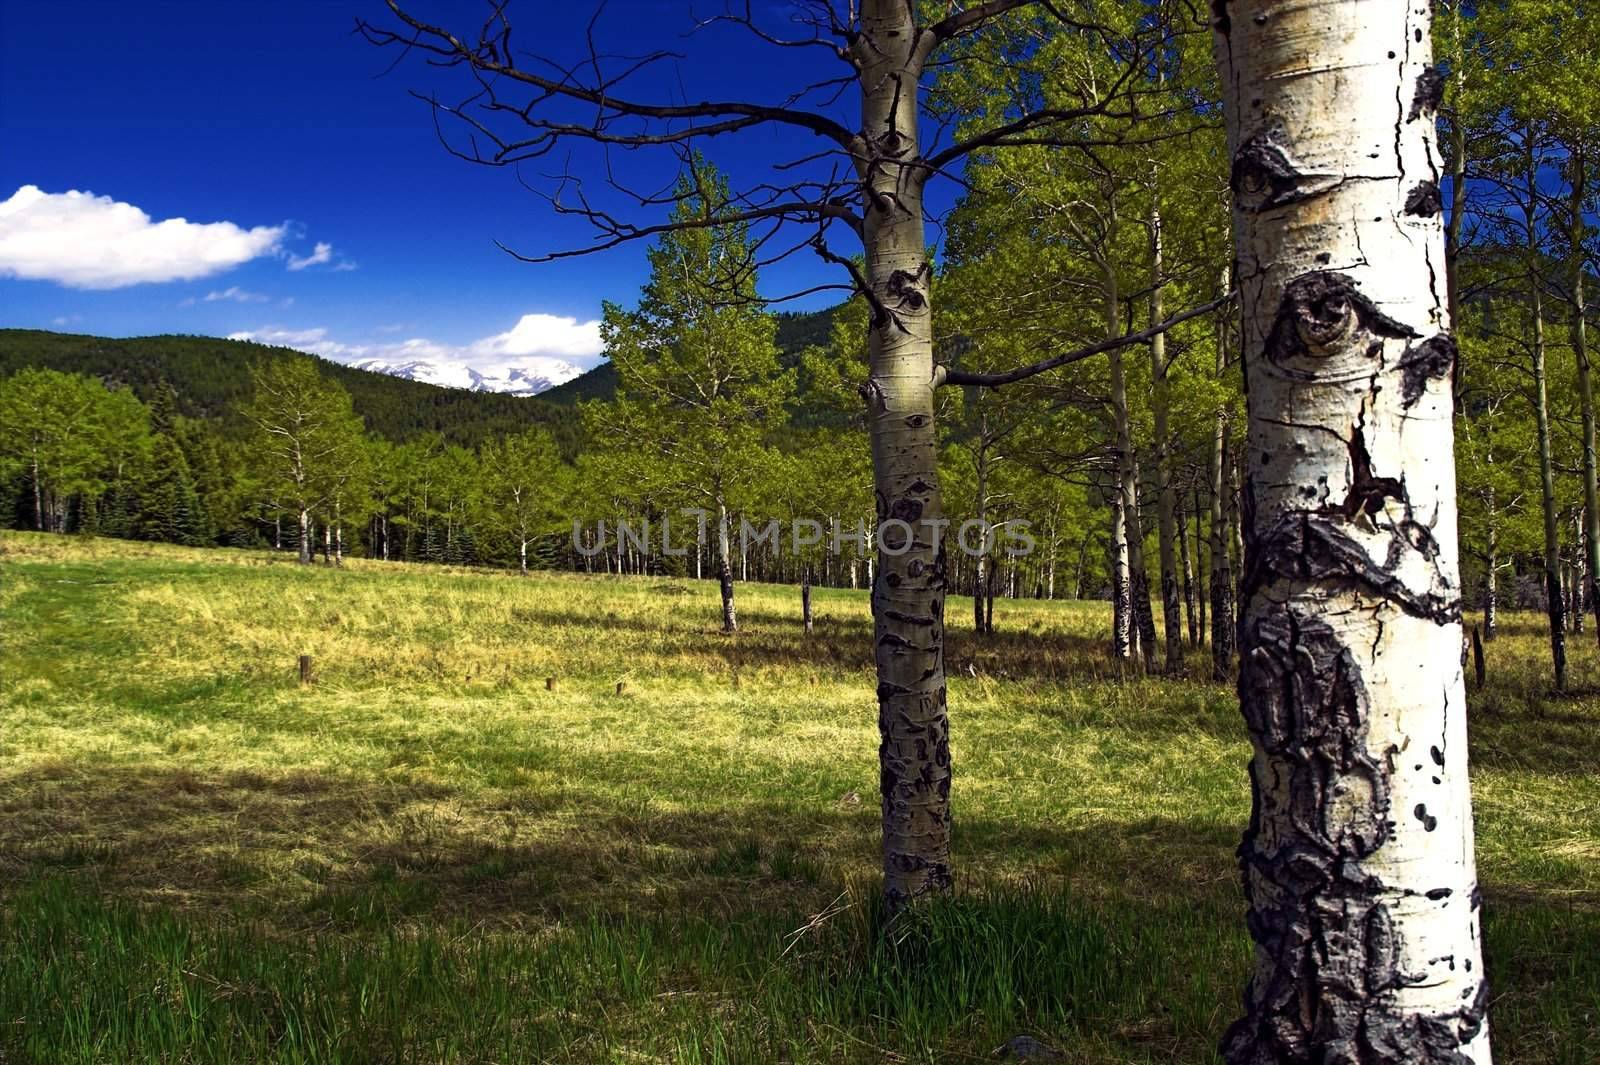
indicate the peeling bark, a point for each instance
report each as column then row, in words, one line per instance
column 1358, row 860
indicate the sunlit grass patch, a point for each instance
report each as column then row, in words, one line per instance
column 429, row 854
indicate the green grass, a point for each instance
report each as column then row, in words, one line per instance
column 427, row 856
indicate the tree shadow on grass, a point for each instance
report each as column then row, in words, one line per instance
column 1128, row 929
column 301, row 846
column 773, row 640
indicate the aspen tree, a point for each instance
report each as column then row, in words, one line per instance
column 1358, row 860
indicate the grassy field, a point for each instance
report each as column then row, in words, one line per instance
column 429, row 856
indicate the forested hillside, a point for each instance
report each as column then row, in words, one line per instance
column 209, row 378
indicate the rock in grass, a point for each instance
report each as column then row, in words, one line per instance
column 1027, row 1048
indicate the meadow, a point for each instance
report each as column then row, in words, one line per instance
column 435, row 852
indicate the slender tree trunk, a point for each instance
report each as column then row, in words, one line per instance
column 1222, row 603
column 38, row 498
column 522, row 556
column 1223, row 629
column 805, row 596
column 1580, row 346
column 1547, row 484
column 1491, row 582
column 981, row 563
column 305, row 537
column 1358, row 860
column 1122, row 631
column 1144, row 619
column 988, row 595
column 730, row 622
column 1202, row 572
column 1186, row 567
column 1081, row 573
column 909, row 587
column 1166, row 524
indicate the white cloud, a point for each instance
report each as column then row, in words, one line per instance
column 532, row 338
column 82, row 240
column 541, row 334
column 313, row 340
column 322, row 253
column 236, row 294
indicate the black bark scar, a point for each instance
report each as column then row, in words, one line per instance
column 905, row 288
column 1323, row 311
column 1264, row 175
column 1433, row 359
column 1428, row 95
column 1424, row 200
column 1322, row 807
column 1367, row 490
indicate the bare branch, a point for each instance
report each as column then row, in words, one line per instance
column 945, row 375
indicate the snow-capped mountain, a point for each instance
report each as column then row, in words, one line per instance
column 524, row 377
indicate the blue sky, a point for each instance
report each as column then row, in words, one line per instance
column 276, row 128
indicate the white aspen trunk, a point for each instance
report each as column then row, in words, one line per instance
column 1186, row 568
column 1144, row 621
column 1129, row 530
column 805, row 597
column 522, row 556
column 1202, row 571
column 908, row 588
column 1491, row 579
column 730, row 621
column 1221, row 566
column 1223, row 629
column 305, row 537
column 1358, row 860
column 1166, row 531
column 981, row 563
column 1578, row 162
column 38, row 498
column 1121, row 598
column 1081, row 573
column 1554, row 607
